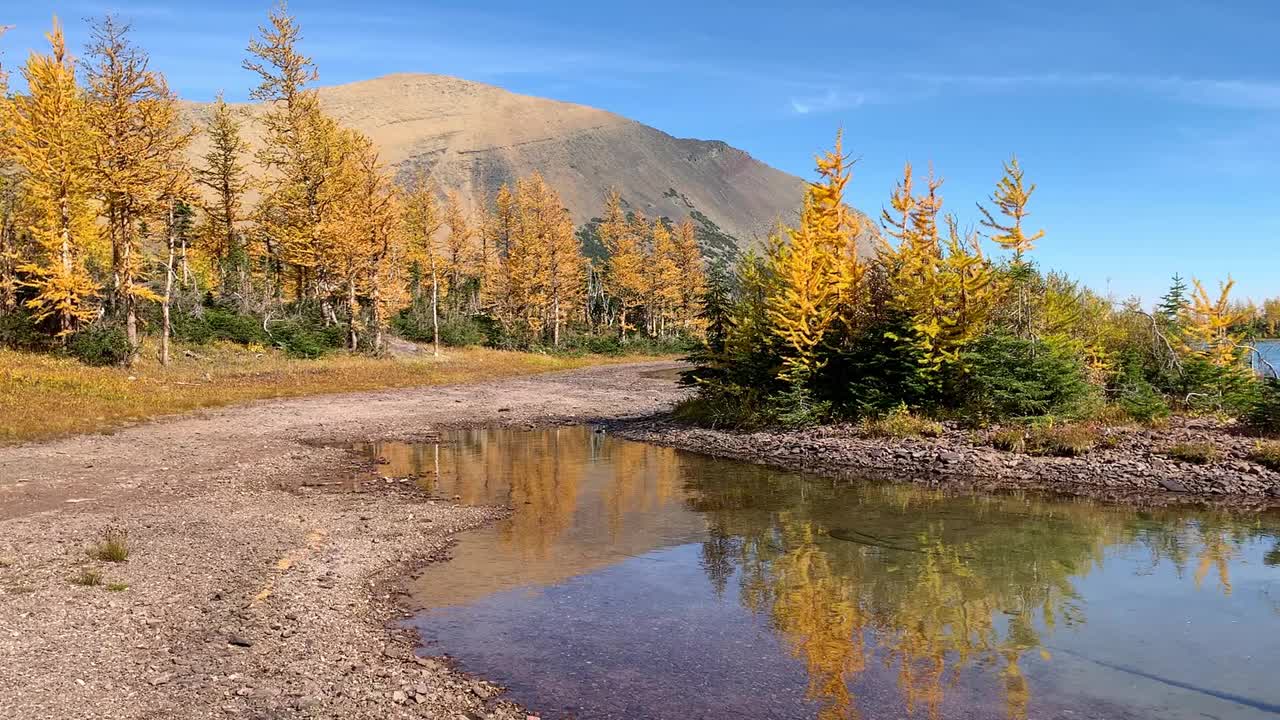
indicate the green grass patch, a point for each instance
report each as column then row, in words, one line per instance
column 87, row 577
column 1267, row 454
column 1198, row 453
column 114, row 546
column 902, row 423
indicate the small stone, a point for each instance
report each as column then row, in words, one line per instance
column 239, row 641
column 159, row 680
column 399, row 696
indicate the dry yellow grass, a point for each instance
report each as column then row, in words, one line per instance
column 43, row 396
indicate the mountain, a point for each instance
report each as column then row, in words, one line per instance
column 475, row 137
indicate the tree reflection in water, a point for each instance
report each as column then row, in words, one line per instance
column 926, row 584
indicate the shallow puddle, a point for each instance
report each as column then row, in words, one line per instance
column 641, row 582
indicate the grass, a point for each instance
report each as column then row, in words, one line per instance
column 88, row 577
column 1065, row 440
column 1009, row 440
column 74, row 398
column 114, row 546
column 1199, row 453
column 901, row 423
column 117, row 586
column 1267, row 454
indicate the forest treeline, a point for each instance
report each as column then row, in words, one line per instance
column 109, row 230
column 926, row 320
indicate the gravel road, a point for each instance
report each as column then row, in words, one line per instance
column 257, row 586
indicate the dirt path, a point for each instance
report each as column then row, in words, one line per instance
column 253, row 591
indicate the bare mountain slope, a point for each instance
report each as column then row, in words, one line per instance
column 474, row 137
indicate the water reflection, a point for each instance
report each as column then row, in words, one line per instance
column 883, row 599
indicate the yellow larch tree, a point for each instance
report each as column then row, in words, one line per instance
column 545, row 267
column 50, row 139
column 138, row 153
column 563, row 275
column 225, row 181
column 8, row 203
column 664, row 278
column 497, row 287
column 1209, row 326
column 817, row 274
column 625, row 272
column 459, row 239
column 422, row 222
column 692, row 278
column 297, row 153
column 1010, row 198
column 946, row 290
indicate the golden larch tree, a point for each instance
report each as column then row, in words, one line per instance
column 817, row 274
column 1210, row 326
column 458, row 240
column 692, row 277
column 625, row 272
column 298, row 154
column 50, row 139
column 497, row 285
column 224, row 178
column 422, row 222
column 1010, row 198
column 664, row 278
column 138, row 152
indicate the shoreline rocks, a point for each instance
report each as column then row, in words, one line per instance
column 1129, row 468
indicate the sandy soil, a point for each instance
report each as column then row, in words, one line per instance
column 257, row 587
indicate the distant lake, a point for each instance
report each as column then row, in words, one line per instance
column 1270, row 352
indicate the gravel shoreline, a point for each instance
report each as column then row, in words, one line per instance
column 258, row 584
column 1132, row 470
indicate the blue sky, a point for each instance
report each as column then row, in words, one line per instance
column 1152, row 128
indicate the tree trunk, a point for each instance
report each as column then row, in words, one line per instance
column 556, row 324
column 168, row 295
column 353, row 310
column 435, row 310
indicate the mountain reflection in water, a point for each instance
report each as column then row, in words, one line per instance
column 831, row 599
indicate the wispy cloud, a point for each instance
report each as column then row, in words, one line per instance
column 830, row 100
column 1200, row 91
column 911, row 87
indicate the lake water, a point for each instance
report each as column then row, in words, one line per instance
column 1267, row 359
column 635, row 581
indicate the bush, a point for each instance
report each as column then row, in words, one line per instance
column 88, row 577
column 1071, row 440
column 1264, row 416
column 1267, row 454
column 721, row 404
column 461, row 332
column 1198, row 453
column 302, row 340
column 1009, row 440
column 1010, row 377
column 114, row 546
column 901, row 423
column 797, row 407
column 1208, row 388
column 100, row 346
column 19, row 331
column 1140, row 400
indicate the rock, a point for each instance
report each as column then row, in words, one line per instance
column 399, row 696
column 1171, row 485
column 239, row 641
column 159, row 680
